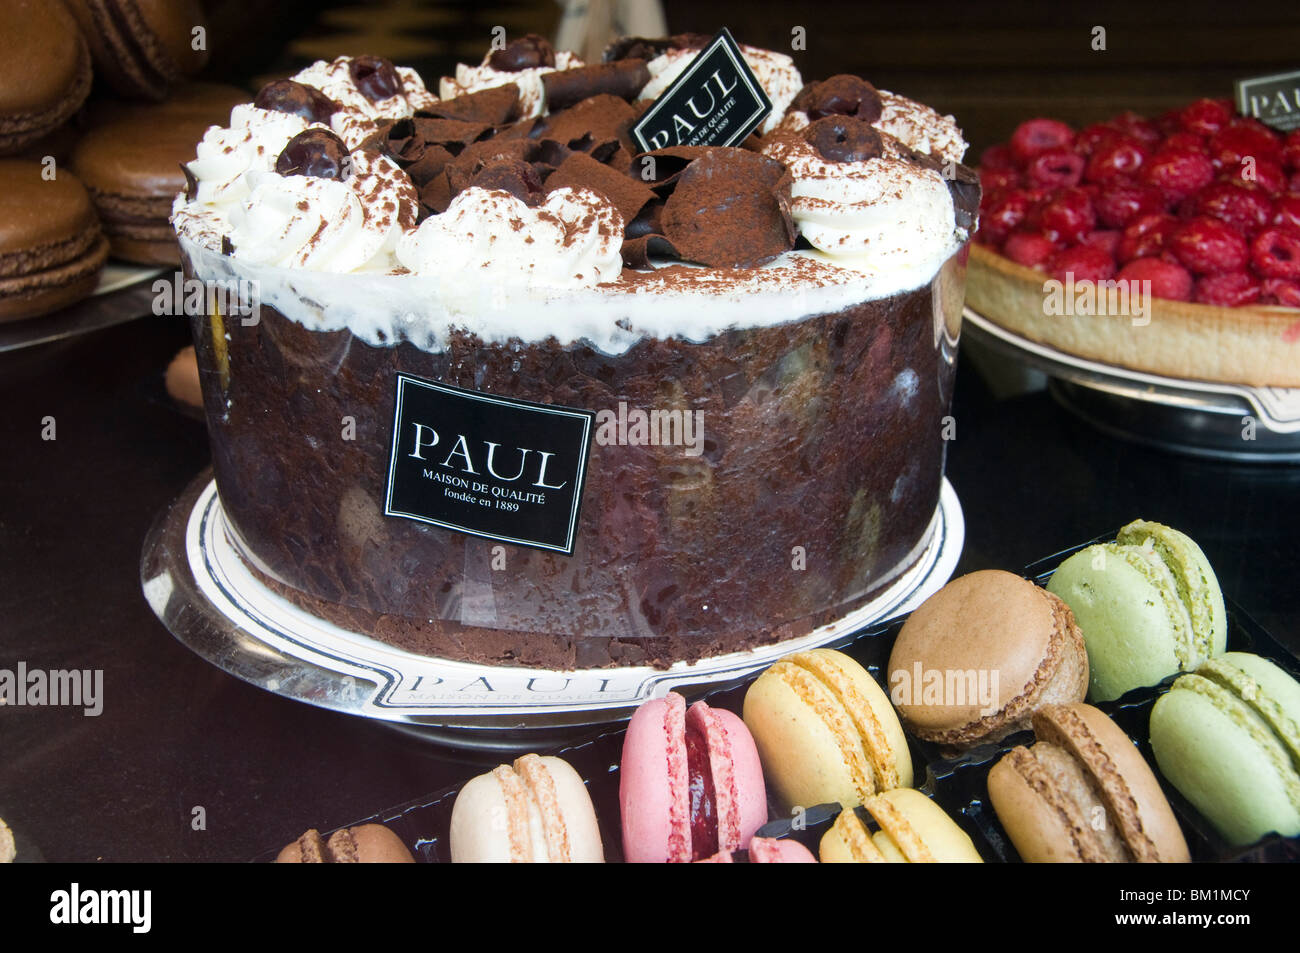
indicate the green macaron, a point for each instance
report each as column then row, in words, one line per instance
column 1228, row 738
column 1148, row 605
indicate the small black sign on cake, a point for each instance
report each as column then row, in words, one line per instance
column 1273, row 100
column 715, row 102
column 488, row 466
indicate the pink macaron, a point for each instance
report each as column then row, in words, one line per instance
column 767, row 850
column 690, row 783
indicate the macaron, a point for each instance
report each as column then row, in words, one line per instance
column 1228, row 738
column 1148, row 605
column 767, row 850
column 911, row 829
column 367, row 844
column 1083, row 794
column 975, row 660
column 825, row 731
column 690, row 783
column 535, row 811
column 143, row 47
column 131, row 162
column 773, row 850
column 51, row 246
column 44, row 71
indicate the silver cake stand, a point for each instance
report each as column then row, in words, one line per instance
column 1201, row 418
column 123, row 294
column 203, row 592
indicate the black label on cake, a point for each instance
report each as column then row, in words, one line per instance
column 715, row 102
column 1273, row 100
column 489, row 466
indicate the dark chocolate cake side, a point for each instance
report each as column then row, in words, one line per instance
column 819, row 472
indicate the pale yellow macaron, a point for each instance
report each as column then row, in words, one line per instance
column 825, row 731
column 913, row 830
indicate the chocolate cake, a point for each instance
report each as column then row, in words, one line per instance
column 762, row 338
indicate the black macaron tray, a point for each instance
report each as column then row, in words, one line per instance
column 958, row 784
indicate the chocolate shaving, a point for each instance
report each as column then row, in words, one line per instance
column 628, row 195
column 603, row 117
column 624, row 79
column 495, row 106
column 730, row 208
column 964, row 187
column 526, row 52
column 510, row 175
column 637, row 251
column 191, row 183
column 647, row 48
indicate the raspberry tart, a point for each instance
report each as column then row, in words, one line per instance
column 1200, row 207
column 799, row 296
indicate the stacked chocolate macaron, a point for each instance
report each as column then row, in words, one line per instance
column 51, row 246
column 127, row 157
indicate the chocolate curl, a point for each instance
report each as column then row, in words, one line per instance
column 637, row 251
column 602, row 117
column 665, row 166
column 496, row 106
column 578, row 171
column 647, row 48
column 964, row 187
column 510, row 175
column 565, row 88
column 730, row 208
column 428, row 166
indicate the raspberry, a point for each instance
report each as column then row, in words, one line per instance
column 1146, row 236
column 1004, row 215
column 1030, row 249
column 1205, row 117
column 998, row 157
column 1207, row 246
column 1036, row 136
column 1186, row 141
column 1179, row 173
column 995, row 180
column 1068, row 216
column 1229, row 290
column 1265, row 173
column 1119, row 157
column 1138, row 127
column 1105, row 239
column 1091, row 138
column 1275, row 253
column 1280, row 291
column 1240, row 205
column 1168, row 280
column 1245, row 137
column 1291, row 151
column 1286, row 210
column 1121, row 202
column 1055, row 168
column 1084, row 263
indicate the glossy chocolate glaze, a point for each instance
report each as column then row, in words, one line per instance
column 822, row 446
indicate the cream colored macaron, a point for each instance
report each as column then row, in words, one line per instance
column 825, row 731
column 536, row 810
column 912, row 830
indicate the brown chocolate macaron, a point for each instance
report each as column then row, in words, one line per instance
column 974, row 662
column 131, row 163
column 143, row 47
column 1083, row 794
column 44, row 70
column 367, row 844
column 51, row 246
